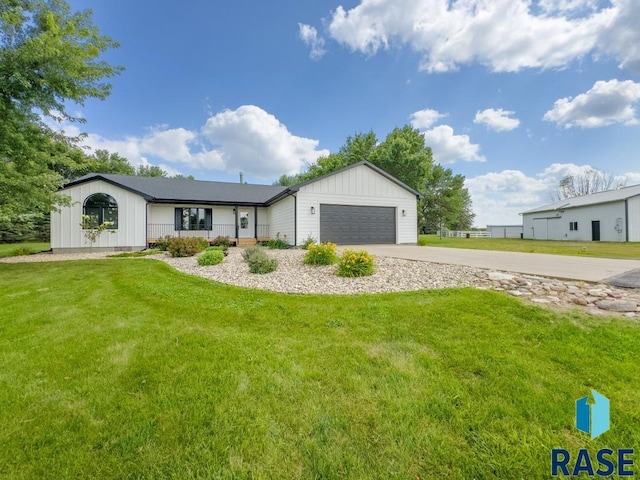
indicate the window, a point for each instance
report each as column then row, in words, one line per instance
column 573, row 226
column 193, row 219
column 101, row 208
column 244, row 220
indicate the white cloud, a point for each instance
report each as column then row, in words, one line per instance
column 252, row 140
column 498, row 120
column 604, row 104
column 450, row 148
column 423, row 119
column 247, row 139
column 309, row 35
column 505, row 35
column 499, row 197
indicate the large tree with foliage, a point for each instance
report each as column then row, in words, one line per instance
column 446, row 202
column 49, row 60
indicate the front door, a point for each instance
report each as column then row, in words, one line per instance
column 595, row 230
column 245, row 227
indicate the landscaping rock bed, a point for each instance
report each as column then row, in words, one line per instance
column 393, row 275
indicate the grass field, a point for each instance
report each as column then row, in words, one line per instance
column 584, row 249
column 8, row 249
column 127, row 369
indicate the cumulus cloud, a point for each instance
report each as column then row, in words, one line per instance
column 247, row 139
column 253, row 140
column 505, row 35
column 499, row 197
column 309, row 35
column 498, row 120
column 424, row 119
column 604, row 104
column 450, row 148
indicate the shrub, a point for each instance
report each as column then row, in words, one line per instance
column 221, row 241
column 186, row 246
column 218, row 248
column 163, row 243
column 210, row 257
column 422, row 241
column 308, row 241
column 321, row 254
column 354, row 263
column 259, row 261
column 278, row 243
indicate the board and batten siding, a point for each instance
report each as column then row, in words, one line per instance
column 356, row 186
column 66, row 231
column 633, row 215
column 555, row 225
column 282, row 219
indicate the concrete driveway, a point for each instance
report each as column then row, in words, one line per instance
column 557, row 266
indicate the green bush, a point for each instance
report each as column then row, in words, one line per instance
column 186, row 246
column 321, row 254
column 308, row 241
column 218, row 248
column 221, row 241
column 210, row 257
column 278, row 243
column 163, row 243
column 422, row 241
column 258, row 260
column 354, row 263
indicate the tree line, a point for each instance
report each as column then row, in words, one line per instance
column 445, row 202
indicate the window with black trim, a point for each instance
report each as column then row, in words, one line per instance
column 573, row 226
column 193, row 219
column 101, row 208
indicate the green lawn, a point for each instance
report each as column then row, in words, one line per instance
column 127, row 369
column 584, row 249
column 8, row 249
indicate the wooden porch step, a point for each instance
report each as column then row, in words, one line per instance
column 246, row 242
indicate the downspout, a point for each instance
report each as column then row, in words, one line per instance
column 237, row 232
column 295, row 221
column 626, row 219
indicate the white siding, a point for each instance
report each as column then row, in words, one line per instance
column 555, row 225
column 162, row 221
column 281, row 219
column 504, row 231
column 66, row 232
column 357, row 186
column 633, row 213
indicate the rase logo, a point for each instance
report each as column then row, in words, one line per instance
column 593, row 419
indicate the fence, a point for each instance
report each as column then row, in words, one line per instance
column 466, row 234
column 160, row 230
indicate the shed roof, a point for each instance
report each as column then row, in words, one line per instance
column 592, row 199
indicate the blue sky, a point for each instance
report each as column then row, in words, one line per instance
column 512, row 94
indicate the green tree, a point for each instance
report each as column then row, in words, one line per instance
column 465, row 216
column 104, row 161
column 444, row 199
column 150, row 171
column 48, row 60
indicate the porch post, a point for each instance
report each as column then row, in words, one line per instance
column 237, row 236
column 255, row 222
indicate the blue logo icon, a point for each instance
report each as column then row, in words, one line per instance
column 593, row 419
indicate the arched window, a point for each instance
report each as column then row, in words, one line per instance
column 101, row 208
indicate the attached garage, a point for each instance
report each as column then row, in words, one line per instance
column 357, row 224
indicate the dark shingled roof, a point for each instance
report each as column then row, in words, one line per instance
column 171, row 190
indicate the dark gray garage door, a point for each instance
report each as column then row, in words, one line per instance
column 351, row 224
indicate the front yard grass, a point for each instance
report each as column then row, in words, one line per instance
column 583, row 249
column 129, row 369
column 8, row 249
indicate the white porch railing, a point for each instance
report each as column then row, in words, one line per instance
column 465, row 234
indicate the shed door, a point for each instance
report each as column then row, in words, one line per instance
column 595, row 230
column 355, row 224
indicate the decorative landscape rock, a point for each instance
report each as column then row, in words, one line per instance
column 617, row 305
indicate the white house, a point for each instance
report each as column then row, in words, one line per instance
column 611, row 216
column 358, row 204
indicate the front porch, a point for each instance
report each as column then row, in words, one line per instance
column 157, row 231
